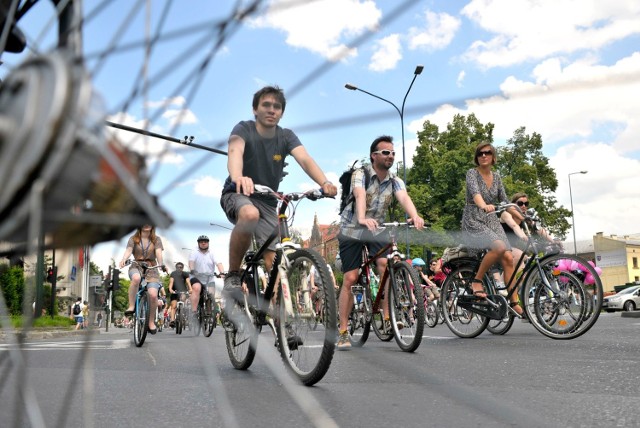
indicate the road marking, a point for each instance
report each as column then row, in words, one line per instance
column 69, row 345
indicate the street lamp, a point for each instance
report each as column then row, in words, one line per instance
column 573, row 220
column 400, row 111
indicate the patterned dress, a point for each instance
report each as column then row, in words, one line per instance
column 481, row 229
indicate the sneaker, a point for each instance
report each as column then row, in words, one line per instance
column 400, row 325
column 172, row 324
column 343, row 341
column 293, row 340
column 232, row 286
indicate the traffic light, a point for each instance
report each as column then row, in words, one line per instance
column 50, row 275
column 106, row 283
column 115, row 279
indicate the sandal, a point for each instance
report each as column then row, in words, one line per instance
column 513, row 305
column 478, row 293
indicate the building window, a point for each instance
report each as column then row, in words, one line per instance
column 637, row 278
column 635, row 262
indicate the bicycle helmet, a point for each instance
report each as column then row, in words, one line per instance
column 418, row 262
column 203, row 238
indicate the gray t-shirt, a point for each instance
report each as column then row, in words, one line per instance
column 263, row 158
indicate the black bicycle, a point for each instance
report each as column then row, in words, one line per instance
column 557, row 301
column 141, row 311
column 306, row 348
column 207, row 310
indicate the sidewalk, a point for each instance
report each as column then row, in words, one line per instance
column 38, row 333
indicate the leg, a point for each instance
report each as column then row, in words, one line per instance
column 133, row 290
column 195, row 296
column 247, row 220
column 153, row 305
column 507, row 265
column 345, row 303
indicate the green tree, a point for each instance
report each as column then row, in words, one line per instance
column 12, row 286
column 442, row 159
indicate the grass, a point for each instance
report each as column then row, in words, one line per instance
column 18, row 321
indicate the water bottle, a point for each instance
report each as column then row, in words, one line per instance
column 373, row 282
column 357, row 293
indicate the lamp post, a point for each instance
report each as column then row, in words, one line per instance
column 400, row 111
column 573, row 220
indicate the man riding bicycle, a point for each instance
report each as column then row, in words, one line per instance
column 202, row 266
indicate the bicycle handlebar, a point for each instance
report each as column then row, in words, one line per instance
column 313, row 195
column 145, row 265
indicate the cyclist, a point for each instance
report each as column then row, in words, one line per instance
column 257, row 152
column 202, row 266
column 430, row 287
column 484, row 192
column 178, row 282
column 146, row 247
column 359, row 224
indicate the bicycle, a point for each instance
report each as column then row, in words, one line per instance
column 207, row 310
column 306, row 352
column 432, row 311
column 183, row 309
column 557, row 302
column 406, row 316
column 141, row 311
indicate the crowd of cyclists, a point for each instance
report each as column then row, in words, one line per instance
column 257, row 149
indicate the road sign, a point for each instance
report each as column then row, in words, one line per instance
column 95, row 281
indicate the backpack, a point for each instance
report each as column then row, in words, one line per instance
column 76, row 309
column 346, row 197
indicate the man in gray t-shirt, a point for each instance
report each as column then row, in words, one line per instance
column 257, row 151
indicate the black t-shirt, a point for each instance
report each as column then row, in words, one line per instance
column 179, row 280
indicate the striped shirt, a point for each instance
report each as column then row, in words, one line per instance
column 379, row 197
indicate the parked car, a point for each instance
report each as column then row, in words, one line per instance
column 626, row 300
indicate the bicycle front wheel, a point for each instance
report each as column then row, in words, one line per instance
column 431, row 314
column 241, row 336
column 559, row 302
column 383, row 332
column 407, row 316
column 208, row 320
column 306, row 352
column 500, row 327
column 360, row 317
column 462, row 322
column 141, row 321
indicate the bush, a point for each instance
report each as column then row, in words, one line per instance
column 12, row 285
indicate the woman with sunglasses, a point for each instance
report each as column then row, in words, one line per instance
column 484, row 192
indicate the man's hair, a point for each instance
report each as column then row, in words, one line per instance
column 269, row 90
column 374, row 145
column 517, row 196
column 179, row 264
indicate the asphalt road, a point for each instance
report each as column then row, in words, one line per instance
column 522, row 379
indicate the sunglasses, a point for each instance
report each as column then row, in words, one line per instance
column 385, row 152
column 485, row 153
column 525, row 203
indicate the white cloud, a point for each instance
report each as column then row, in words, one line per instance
column 323, row 26
column 165, row 103
column 388, row 53
column 180, row 117
column 152, row 148
column 460, row 79
column 207, row 186
column 437, row 34
column 523, row 30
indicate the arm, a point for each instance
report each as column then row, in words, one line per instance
column 125, row 256
column 507, row 218
column 235, row 164
column 171, row 290
column 312, row 169
column 188, row 282
column 405, row 201
column 159, row 257
column 220, row 268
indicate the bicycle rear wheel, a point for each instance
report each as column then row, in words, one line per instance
column 305, row 351
column 559, row 303
column 360, row 318
column 377, row 324
column 500, row 327
column 407, row 316
column 462, row 322
column 141, row 320
column 178, row 320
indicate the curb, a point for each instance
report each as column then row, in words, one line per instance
column 632, row 314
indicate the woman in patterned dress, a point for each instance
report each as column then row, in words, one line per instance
column 484, row 192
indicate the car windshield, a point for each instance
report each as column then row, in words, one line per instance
column 628, row 290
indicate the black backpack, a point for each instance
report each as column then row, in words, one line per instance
column 346, row 197
column 76, row 309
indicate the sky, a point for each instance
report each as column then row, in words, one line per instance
column 567, row 70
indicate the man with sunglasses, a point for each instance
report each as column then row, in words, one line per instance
column 359, row 223
column 257, row 152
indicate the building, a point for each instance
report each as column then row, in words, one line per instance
column 618, row 257
column 324, row 239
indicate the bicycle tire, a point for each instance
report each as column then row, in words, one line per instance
column 178, row 320
column 377, row 325
column 360, row 317
column 141, row 320
column 196, row 317
column 573, row 311
column 500, row 327
column 306, row 353
column 431, row 314
column 461, row 322
column 405, row 292
column 241, row 337
column 208, row 323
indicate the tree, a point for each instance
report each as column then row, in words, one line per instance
column 437, row 178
